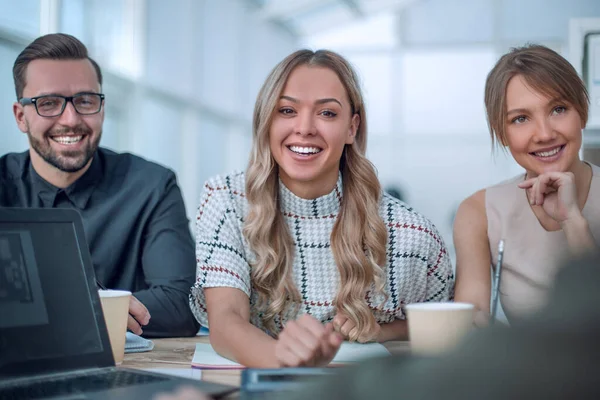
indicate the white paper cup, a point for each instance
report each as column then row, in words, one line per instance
column 115, row 307
column 435, row 328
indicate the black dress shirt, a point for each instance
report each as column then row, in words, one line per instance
column 135, row 224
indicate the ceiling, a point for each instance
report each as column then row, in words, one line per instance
column 307, row 17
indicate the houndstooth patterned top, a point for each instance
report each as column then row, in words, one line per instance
column 417, row 268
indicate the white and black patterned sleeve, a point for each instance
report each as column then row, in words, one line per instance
column 418, row 265
column 440, row 278
column 220, row 254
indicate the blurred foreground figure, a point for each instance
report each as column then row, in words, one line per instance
column 550, row 356
column 553, row 355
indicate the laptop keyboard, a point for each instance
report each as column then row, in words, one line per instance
column 73, row 384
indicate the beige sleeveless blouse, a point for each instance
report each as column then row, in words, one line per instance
column 532, row 255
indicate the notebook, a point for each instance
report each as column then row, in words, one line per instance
column 137, row 344
column 53, row 339
column 203, row 331
column 205, row 357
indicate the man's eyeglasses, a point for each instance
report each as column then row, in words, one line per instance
column 53, row 105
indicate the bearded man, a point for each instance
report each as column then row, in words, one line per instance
column 132, row 209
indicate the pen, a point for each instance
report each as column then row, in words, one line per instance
column 496, row 286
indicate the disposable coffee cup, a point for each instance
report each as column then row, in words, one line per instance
column 115, row 307
column 436, row 328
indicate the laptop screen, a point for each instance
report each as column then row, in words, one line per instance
column 50, row 315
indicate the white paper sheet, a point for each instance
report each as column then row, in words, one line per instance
column 206, row 357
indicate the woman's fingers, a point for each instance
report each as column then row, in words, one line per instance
column 306, row 342
column 347, row 328
column 536, row 194
column 331, row 344
column 338, row 321
column 301, row 341
column 308, row 337
column 527, row 184
column 550, row 182
column 287, row 358
column 530, row 187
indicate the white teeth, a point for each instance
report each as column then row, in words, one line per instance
column 67, row 139
column 305, row 150
column 548, row 153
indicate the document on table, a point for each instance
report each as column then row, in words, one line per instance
column 205, row 357
column 202, row 332
column 137, row 344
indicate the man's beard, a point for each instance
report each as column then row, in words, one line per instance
column 66, row 161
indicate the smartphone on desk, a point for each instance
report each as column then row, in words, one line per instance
column 259, row 383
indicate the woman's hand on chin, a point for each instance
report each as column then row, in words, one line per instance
column 556, row 193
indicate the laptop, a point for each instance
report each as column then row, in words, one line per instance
column 53, row 339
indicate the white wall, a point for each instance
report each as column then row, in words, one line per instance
column 17, row 19
column 423, row 75
column 11, row 138
column 20, row 17
column 181, row 76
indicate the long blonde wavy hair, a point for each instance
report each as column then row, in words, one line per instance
column 359, row 235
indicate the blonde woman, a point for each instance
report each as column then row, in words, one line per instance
column 536, row 107
column 304, row 249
